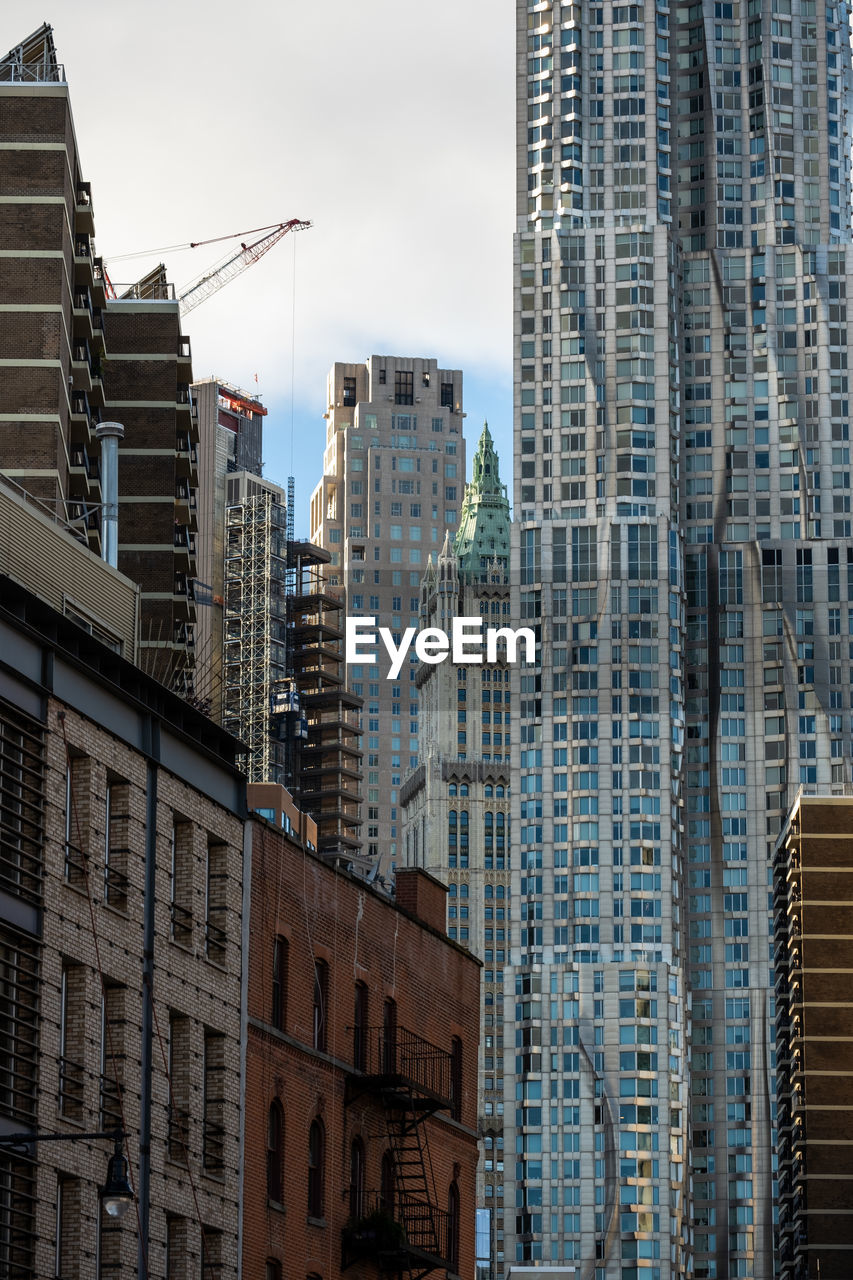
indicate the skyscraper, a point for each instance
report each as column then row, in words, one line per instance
column 456, row 802
column 394, row 471
column 683, row 493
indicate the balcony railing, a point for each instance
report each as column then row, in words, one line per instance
column 397, row 1232
column 32, row 73
column 403, row 1059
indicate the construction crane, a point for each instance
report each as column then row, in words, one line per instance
column 223, row 272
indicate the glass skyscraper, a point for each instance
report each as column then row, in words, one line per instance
column 683, row 545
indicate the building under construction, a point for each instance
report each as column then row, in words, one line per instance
column 283, row 681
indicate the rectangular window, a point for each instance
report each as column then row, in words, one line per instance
column 216, row 906
column 213, row 1133
column 67, row 1251
column 349, row 393
column 447, row 395
column 21, row 786
column 77, row 776
column 72, row 1040
column 321, row 1004
column 112, row 1055
column 182, row 882
column 177, row 1250
column 179, row 1090
column 404, row 389
column 279, row 983
column 116, row 844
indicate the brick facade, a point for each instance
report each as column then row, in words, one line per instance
column 363, row 938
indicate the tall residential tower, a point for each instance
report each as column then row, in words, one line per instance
column 683, row 487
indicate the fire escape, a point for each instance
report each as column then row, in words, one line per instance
column 401, row 1228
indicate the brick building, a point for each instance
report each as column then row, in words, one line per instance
column 113, row 792
column 813, row 927
column 361, row 1074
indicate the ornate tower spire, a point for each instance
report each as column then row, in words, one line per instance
column 484, row 523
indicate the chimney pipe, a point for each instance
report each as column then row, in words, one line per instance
column 109, row 434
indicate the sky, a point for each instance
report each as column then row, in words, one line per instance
column 388, row 125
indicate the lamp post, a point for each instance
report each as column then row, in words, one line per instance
column 116, row 1194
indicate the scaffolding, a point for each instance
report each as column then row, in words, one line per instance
column 255, row 658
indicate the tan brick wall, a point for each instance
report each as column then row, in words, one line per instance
column 205, row 996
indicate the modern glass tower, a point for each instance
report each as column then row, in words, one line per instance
column 682, row 487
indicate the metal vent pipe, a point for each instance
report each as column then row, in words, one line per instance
column 109, row 434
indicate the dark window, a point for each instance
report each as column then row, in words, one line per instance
column 213, row 1133
column 321, row 1003
column 356, row 1179
column 404, row 387
column 386, row 1193
column 456, row 1078
column 279, row 984
column 447, row 395
column 389, row 1037
column 359, row 1047
column 382, row 376
column 275, row 1153
column 349, row 392
column 316, row 1160
column 453, row 1228
column 273, row 1269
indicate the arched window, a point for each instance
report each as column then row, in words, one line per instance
column 359, row 1030
column 499, row 792
column 389, row 1037
column 463, row 788
column 451, row 790
column 386, row 1183
column 321, row 1003
column 452, row 836
column 456, row 1078
column 356, row 1179
column 273, row 1269
column 279, row 984
column 463, row 891
column 316, row 1170
column 490, row 891
column 275, row 1152
column 453, row 1228
column 489, row 791
column 463, row 838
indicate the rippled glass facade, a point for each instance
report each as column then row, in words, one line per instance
column 683, row 544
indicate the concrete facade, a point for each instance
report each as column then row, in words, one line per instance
column 394, row 474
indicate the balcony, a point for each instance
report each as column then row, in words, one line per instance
column 84, row 221
column 395, row 1061
column 407, row 1234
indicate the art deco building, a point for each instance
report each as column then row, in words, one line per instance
column 456, row 803
column 813, row 901
column 683, row 494
column 394, row 473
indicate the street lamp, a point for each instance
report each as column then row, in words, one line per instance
column 116, row 1194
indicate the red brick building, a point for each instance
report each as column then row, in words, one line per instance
column 361, row 1074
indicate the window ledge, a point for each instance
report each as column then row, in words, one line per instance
column 276, row 1205
column 316, row 1222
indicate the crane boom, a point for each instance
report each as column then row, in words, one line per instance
column 233, row 266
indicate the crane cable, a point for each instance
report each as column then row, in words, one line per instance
column 192, row 244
